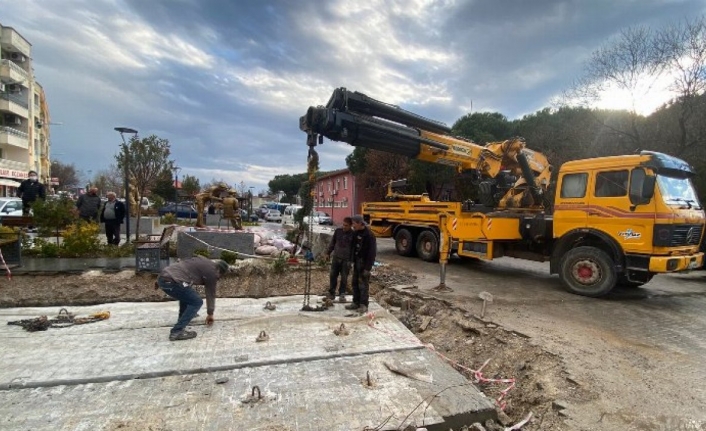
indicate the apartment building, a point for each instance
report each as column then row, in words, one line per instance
column 336, row 195
column 24, row 115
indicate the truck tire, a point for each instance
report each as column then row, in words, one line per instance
column 588, row 271
column 428, row 246
column 404, row 242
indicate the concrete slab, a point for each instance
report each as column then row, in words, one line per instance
column 123, row 372
column 188, row 242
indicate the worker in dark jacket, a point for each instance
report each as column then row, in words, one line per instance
column 364, row 252
column 177, row 280
column 29, row 190
column 339, row 250
column 88, row 205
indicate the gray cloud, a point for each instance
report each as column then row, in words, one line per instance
column 226, row 81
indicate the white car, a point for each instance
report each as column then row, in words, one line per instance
column 273, row 216
column 319, row 217
column 10, row 207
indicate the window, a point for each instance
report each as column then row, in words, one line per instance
column 611, row 184
column 338, row 183
column 574, row 185
column 329, row 185
column 345, row 183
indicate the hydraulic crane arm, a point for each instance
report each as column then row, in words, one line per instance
column 361, row 121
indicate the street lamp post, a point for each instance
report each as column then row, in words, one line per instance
column 122, row 131
column 250, row 202
column 176, row 170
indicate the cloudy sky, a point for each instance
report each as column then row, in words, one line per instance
column 226, row 81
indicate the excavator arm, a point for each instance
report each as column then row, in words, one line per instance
column 515, row 176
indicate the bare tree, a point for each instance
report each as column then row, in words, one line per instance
column 632, row 64
column 108, row 180
column 682, row 48
column 66, row 173
column 145, row 160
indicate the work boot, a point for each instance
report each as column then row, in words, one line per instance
column 342, row 298
column 352, row 306
column 363, row 309
column 183, row 335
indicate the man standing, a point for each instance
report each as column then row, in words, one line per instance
column 112, row 215
column 340, row 246
column 29, row 190
column 364, row 252
column 88, row 205
column 177, row 280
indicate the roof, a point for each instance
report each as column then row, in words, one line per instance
column 333, row 174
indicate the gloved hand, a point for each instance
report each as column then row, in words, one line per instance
column 209, row 319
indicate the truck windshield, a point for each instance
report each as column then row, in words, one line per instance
column 678, row 191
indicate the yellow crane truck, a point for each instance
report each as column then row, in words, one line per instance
column 600, row 222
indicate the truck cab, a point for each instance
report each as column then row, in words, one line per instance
column 621, row 220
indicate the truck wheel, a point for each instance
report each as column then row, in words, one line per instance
column 404, row 242
column 428, row 246
column 588, row 271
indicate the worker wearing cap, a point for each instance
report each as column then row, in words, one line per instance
column 364, row 251
column 177, row 280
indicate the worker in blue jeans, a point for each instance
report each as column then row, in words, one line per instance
column 177, row 280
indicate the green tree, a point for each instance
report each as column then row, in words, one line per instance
column 289, row 184
column 482, row 127
column 52, row 215
column 355, row 161
column 190, row 185
column 164, row 186
column 145, row 159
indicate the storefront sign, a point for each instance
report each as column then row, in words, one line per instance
column 8, row 173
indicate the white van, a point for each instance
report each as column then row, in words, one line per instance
column 289, row 213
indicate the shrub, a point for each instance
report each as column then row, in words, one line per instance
column 168, row 218
column 202, row 252
column 52, row 215
column 229, row 256
column 124, row 250
column 81, row 240
column 279, row 264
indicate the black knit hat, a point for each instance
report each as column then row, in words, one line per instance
column 222, row 266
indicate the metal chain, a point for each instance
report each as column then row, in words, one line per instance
column 312, row 167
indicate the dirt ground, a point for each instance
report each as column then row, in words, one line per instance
column 463, row 339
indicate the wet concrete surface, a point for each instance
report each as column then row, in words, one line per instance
column 640, row 351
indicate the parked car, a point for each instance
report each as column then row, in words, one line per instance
column 319, row 217
column 273, row 216
column 180, row 211
column 10, row 207
column 289, row 213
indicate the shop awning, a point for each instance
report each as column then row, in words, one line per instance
column 6, row 182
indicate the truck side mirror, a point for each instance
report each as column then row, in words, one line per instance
column 642, row 188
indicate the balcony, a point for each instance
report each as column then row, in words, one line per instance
column 14, row 169
column 13, row 41
column 14, row 104
column 11, row 72
column 14, row 137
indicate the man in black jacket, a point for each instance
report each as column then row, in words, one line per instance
column 29, row 190
column 364, row 253
column 339, row 249
column 112, row 214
